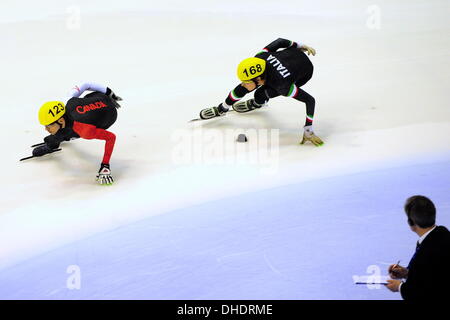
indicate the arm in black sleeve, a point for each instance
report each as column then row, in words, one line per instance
column 413, row 290
column 280, row 43
column 303, row 96
column 405, row 291
column 53, row 141
column 235, row 95
column 63, row 134
column 419, row 284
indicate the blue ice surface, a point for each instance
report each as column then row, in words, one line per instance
column 299, row 241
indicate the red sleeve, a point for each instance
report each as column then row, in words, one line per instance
column 88, row 131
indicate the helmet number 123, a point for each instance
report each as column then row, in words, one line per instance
column 57, row 108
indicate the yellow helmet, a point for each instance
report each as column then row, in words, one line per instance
column 250, row 68
column 51, row 111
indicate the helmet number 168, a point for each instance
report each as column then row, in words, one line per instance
column 253, row 70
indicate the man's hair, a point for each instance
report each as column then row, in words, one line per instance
column 420, row 211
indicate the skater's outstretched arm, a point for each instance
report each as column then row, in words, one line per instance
column 52, row 142
column 234, row 96
column 303, row 96
column 78, row 90
column 88, row 131
column 280, row 43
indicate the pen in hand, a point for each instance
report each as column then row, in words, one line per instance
column 396, row 265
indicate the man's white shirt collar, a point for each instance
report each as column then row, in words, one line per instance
column 425, row 235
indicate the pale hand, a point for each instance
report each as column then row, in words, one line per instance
column 398, row 272
column 393, row 285
column 308, row 50
column 309, row 135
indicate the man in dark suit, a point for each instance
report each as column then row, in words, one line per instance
column 427, row 274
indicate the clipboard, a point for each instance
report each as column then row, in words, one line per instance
column 371, row 280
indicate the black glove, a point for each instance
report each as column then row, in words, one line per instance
column 52, row 141
column 116, row 97
column 112, row 95
column 41, row 150
column 63, row 134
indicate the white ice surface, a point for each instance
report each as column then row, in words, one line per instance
column 277, row 229
column 299, row 241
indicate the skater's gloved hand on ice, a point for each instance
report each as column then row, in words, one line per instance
column 41, row 150
column 308, row 49
column 397, row 272
column 104, row 175
column 308, row 135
